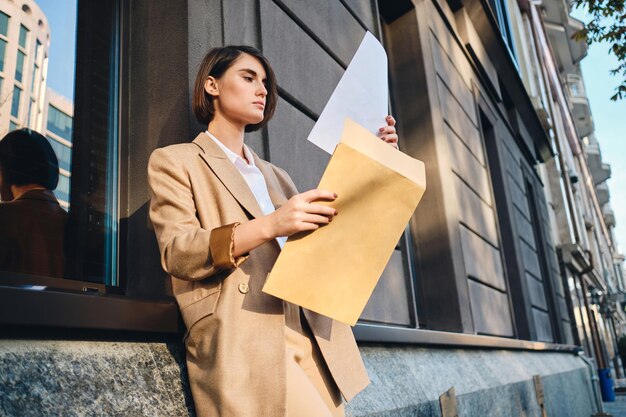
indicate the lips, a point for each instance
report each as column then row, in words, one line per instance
column 259, row 104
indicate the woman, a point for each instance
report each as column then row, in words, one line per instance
column 221, row 215
column 32, row 224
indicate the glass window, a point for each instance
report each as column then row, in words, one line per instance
column 19, row 66
column 63, row 152
column 37, row 53
column 59, row 123
column 4, row 24
column 501, row 13
column 62, row 192
column 23, row 36
column 3, row 47
column 15, row 104
column 90, row 191
column 12, row 126
column 33, row 86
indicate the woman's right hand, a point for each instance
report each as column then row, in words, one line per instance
column 299, row 214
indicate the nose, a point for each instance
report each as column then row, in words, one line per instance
column 262, row 90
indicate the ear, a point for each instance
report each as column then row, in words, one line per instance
column 211, row 87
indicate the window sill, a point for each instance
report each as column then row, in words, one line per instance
column 65, row 309
column 370, row 333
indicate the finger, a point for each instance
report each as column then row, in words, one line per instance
column 390, row 138
column 386, row 130
column 393, row 141
column 316, row 218
column 317, row 194
column 390, row 120
column 320, row 209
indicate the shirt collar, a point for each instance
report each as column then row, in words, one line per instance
column 232, row 155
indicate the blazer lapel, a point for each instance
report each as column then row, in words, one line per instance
column 232, row 179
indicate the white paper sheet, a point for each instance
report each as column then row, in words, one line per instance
column 361, row 95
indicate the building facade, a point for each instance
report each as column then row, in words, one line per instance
column 24, row 44
column 58, row 111
column 498, row 287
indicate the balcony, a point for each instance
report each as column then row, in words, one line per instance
column 602, row 193
column 609, row 216
column 600, row 171
column 560, row 27
column 579, row 103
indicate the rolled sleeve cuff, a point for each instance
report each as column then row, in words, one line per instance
column 222, row 245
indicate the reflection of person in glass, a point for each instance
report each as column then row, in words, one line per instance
column 32, row 224
column 221, row 215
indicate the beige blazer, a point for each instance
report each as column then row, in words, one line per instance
column 235, row 332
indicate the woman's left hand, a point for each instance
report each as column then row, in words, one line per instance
column 388, row 133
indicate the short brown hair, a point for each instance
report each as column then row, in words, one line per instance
column 215, row 64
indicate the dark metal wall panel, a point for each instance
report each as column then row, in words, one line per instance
column 450, row 75
column 442, row 282
column 332, row 24
column 466, row 166
column 289, row 149
column 518, row 196
column 205, row 30
column 542, row 322
column 478, row 229
column 294, row 54
column 490, row 309
column 475, row 213
column 482, row 260
column 366, row 11
column 158, row 114
column 241, row 18
column 531, row 263
column 390, row 302
column 525, row 228
column 459, row 121
column 537, row 295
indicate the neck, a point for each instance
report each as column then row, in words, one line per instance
column 19, row 190
column 229, row 133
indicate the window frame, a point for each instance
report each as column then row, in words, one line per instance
column 82, row 305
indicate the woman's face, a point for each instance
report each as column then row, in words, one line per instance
column 239, row 94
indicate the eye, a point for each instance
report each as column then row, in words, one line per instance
column 248, row 78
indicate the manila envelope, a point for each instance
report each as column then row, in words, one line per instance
column 333, row 270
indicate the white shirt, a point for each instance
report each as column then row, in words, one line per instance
column 253, row 177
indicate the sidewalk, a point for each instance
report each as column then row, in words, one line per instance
column 617, row 408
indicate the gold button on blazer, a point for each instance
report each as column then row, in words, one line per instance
column 235, row 333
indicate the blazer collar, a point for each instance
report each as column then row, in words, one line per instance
column 232, row 179
column 44, row 195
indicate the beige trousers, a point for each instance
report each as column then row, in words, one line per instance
column 311, row 390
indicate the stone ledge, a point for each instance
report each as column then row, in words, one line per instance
column 149, row 379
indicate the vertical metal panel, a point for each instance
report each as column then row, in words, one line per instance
column 295, row 54
column 475, row 213
column 465, row 164
column 459, row 121
column 542, row 323
column 490, row 309
column 482, row 260
column 289, row 149
column 332, row 24
column 442, row 283
column 390, row 301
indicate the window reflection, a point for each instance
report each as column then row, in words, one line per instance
column 38, row 53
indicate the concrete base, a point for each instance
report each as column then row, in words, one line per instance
column 111, row 378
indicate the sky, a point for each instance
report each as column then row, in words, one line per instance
column 61, row 16
column 609, row 118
